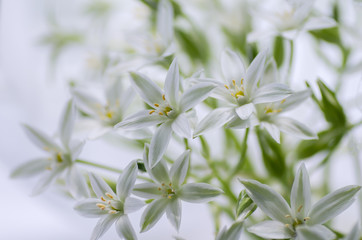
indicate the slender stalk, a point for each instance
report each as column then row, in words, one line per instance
column 291, row 57
column 225, row 185
column 112, row 169
column 358, row 173
column 244, row 146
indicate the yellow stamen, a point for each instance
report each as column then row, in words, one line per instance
column 109, row 114
column 159, row 189
column 169, row 197
column 163, row 97
column 287, row 225
column 59, row 157
column 234, row 83
column 300, row 208
column 112, row 212
column 157, row 105
column 101, row 206
column 109, row 195
column 287, row 216
column 160, row 113
column 226, row 86
column 282, row 101
column 242, row 81
column 152, row 111
column 103, row 199
column 306, row 219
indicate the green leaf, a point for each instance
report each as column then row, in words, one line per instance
column 278, row 52
column 245, row 205
column 330, row 35
column 330, row 106
column 273, row 155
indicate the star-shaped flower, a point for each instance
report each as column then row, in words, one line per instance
column 169, row 189
column 301, row 220
column 61, row 158
column 111, row 207
column 242, row 91
column 168, row 109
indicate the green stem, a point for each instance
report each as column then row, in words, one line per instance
column 244, row 146
column 291, row 56
column 112, row 169
column 225, row 185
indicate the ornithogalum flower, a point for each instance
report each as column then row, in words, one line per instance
column 61, row 157
column 168, row 109
column 111, row 207
column 169, row 189
column 242, row 91
column 300, row 220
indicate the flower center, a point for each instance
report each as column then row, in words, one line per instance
column 296, row 221
column 109, row 204
column 162, row 108
column 167, row 190
column 235, row 89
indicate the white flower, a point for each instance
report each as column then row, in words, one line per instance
column 268, row 116
column 168, row 109
column 290, row 17
column 105, row 114
column 354, row 234
column 111, row 207
column 168, row 191
column 241, row 91
column 61, row 159
column 301, row 220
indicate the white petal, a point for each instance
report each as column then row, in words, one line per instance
column 198, row 192
column 158, row 172
column 100, row 187
column 76, row 183
column 237, row 123
column 141, row 119
column 67, row 123
column 245, row 111
column 165, row 21
column 273, row 130
column 147, row 190
column 125, row 229
column 215, row 119
column 173, row 213
column 293, row 127
column 195, row 95
column 268, row 200
column 153, row 213
column 159, row 143
column 45, row 181
column 76, row 148
column 271, row 230
column 234, row 232
column 87, row 103
column 147, row 89
column 181, row 126
column 300, row 199
column 88, row 208
column 172, row 84
column 232, row 67
column 333, row 204
column 293, row 100
column 127, row 180
column 40, row 139
column 30, row 168
column 132, row 204
column 271, row 93
column 315, row 23
column 254, row 73
column 317, row 232
column 179, row 169
column 354, row 234
column 103, row 225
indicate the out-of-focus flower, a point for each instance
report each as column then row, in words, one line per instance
column 111, row 207
column 242, row 91
column 300, row 220
column 61, row 158
column 291, row 17
column 168, row 191
column 168, row 109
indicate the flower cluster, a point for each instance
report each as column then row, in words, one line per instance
column 150, row 96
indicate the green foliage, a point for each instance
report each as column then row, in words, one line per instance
column 245, row 205
column 330, row 35
column 273, row 155
column 278, row 51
